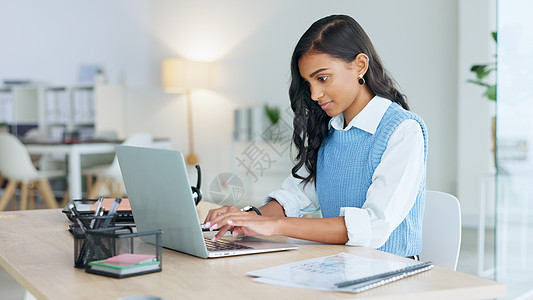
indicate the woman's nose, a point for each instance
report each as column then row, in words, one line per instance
column 316, row 93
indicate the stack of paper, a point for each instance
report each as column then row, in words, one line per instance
column 126, row 263
column 341, row 272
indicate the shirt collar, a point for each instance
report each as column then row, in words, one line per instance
column 367, row 119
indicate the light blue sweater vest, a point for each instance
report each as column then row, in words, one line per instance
column 345, row 165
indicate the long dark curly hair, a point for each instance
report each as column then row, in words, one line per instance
column 343, row 38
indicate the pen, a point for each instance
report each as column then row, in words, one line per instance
column 82, row 227
column 100, row 213
column 97, row 210
column 83, row 248
column 98, row 205
column 73, row 211
column 112, row 211
column 93, row 241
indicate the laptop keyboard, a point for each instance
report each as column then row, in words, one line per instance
column 222, row 245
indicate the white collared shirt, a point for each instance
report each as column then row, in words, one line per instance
column 394, row 186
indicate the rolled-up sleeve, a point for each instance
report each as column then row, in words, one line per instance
column 297, row 200
column 393, row 191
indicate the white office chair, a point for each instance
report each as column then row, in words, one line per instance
column 47, row 161
column 110, row 175
column 441, row 233
column 16, row 166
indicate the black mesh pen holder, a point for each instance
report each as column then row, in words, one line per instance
column 87, row 247
column 95, row 244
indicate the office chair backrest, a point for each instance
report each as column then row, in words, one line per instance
column 15, row 161
column 441, row 231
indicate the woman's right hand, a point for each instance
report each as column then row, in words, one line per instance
column 230, row 218
column 215, row 220
column 214, row 214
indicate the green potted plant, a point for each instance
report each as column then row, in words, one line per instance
column 484, row 70
column 273, row 114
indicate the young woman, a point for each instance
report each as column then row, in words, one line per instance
column 361, row 154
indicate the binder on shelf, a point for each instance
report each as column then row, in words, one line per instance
column 83, row 105
column 50, row 104
column 57, row 105
column 77, row 106
column 341, row 272
column 6, row 106
column 62, row 106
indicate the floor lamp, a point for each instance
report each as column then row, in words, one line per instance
column 181, row 77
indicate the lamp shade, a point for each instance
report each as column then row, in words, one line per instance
column 180, row 75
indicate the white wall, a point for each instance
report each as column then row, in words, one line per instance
column 475, row 164
column 49, row 40
column 251, row 42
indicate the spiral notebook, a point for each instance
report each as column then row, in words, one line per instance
column 341, row 272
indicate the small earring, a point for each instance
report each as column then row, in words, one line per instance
column 361, row 80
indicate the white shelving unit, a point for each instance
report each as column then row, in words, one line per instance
column 56, row 109
column 67, row 108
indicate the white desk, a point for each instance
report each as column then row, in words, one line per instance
column 74, row 153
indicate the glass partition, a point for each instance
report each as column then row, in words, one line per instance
column 514, row 135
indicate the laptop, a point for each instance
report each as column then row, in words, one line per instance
column 160, row 196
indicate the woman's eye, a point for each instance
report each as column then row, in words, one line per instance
column 322, row 78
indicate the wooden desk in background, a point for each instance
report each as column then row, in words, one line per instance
column 37, row 250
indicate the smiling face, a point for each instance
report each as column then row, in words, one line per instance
column 333, row 83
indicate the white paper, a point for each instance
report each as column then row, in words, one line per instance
column 324, row 272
